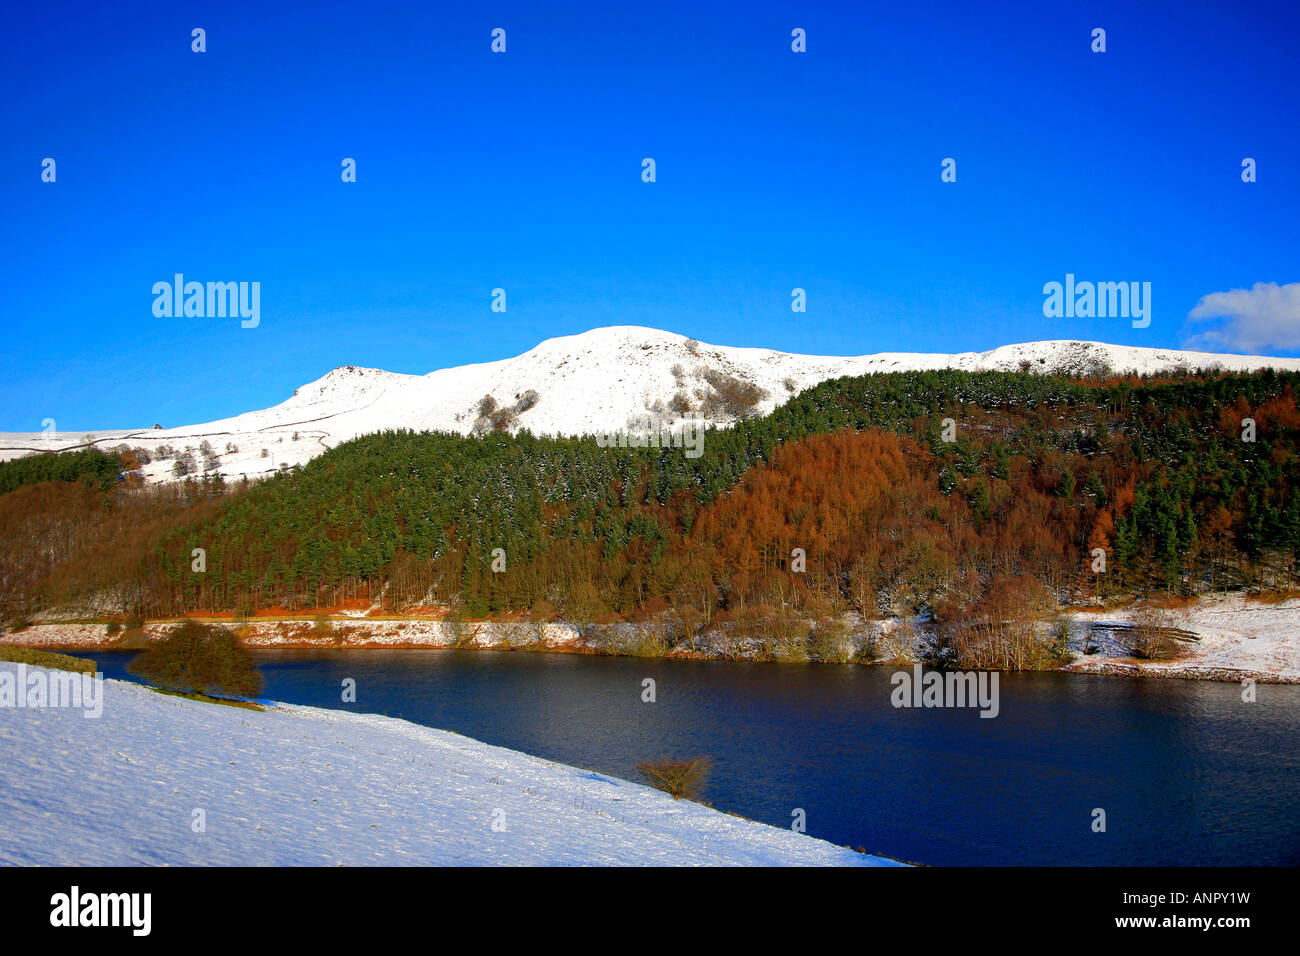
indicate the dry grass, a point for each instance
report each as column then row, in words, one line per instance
column 1278, row 596
column 63, row 662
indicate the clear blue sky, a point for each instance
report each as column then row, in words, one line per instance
column 523, row 170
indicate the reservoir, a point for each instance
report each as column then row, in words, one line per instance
column 1185, row 772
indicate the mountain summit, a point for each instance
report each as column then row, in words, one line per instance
column 601, row 380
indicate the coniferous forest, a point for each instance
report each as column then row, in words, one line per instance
column 943, row 492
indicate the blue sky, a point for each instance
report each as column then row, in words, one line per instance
column 523, row 171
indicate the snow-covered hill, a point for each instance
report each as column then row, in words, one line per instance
column 300, row 786
column 605, row 379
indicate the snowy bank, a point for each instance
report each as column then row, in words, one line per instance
column 303, row 786
column 1237, row 638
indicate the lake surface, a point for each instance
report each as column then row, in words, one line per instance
column 1186, row 772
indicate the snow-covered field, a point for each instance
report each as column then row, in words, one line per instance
column 600, row 380
column 303, row 786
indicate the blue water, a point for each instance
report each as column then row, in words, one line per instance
column 1186, row 772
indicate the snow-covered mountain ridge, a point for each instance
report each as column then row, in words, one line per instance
column 605, row 379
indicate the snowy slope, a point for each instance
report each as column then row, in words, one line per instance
column 304, row 786
column 600, row 380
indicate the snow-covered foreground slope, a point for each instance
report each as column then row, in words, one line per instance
column 303, row 786
column 600, row 380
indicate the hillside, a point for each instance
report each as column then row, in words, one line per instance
column 975, row 500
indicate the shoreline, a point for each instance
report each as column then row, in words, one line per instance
column 1235, row 640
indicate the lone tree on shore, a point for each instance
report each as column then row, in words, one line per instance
column 200, row 659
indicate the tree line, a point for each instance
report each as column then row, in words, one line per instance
column 883, row 494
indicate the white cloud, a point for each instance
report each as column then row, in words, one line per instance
column 1266, row 316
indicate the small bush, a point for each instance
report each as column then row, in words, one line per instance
column 646, row 642
column 1153, row 634
column 133, row 636
column 681, row 778
column 320, row 624
column 502, row 419
column 200, row 659
column 112, row 627
column 870, row 648
column 831, row 641
column 1060, row 646
column 730, row 395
